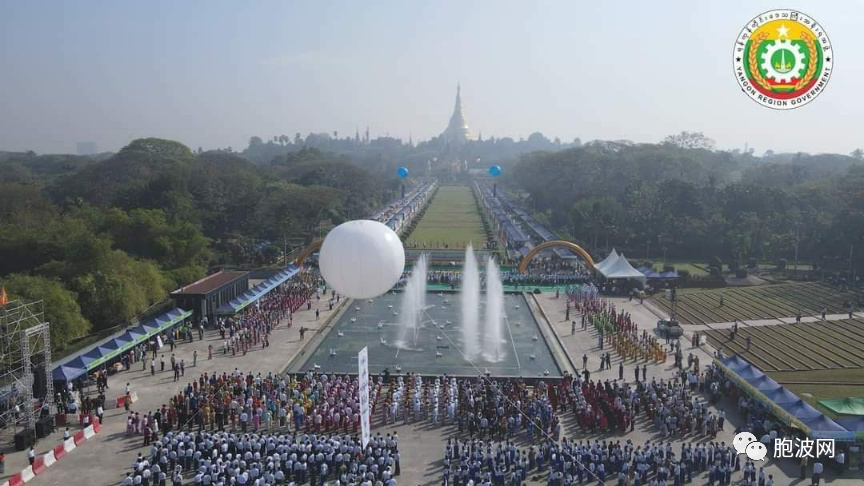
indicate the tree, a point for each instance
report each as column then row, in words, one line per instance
column 255, row 140
column 857, row 154
column 61, row 308
column 690, row 140
column 118, row 289
column 148, row 234
column 160, row 146
column 291, row 209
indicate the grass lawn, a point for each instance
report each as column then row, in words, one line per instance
column 452, row 219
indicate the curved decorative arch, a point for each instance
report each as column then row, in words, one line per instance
column 589, row 262
column 315, row 245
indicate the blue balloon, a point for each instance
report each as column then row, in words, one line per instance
column 495, row 170
column 402, row 172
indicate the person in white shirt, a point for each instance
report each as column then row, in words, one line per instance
column 817, row 472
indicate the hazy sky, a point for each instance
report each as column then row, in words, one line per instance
column 213, row 73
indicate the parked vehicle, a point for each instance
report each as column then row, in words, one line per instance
column 670, row 329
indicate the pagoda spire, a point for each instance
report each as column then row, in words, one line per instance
column 457, row 130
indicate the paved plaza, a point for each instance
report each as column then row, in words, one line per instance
column 104, row 459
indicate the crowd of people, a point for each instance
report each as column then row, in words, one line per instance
column 672, row 406
column 238, row 428
column 246, row 402
column 654, row 463
column 479, row 407
column 245, row 330
column 615, row 329
column 545, row 277
column 533, row 276
column 248, row 428
column 224, row 458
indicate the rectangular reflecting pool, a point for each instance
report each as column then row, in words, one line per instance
column 436, row 345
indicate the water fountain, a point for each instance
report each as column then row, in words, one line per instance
column 432, row 338
column 470, row 305
column 494, row 323
column 414, row 302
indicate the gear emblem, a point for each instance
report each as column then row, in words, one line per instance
column 782, row 59
column 791, row 64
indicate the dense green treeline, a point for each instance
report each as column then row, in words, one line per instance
column 698, row 203
column 102, row 239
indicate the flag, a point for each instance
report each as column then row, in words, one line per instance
column 3, row 298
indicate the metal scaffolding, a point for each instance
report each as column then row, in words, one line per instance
column 25, row 349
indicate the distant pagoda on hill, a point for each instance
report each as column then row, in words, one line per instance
column 457, row 131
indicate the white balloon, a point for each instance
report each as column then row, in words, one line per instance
column 362, row 259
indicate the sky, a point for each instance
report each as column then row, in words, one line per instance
column 213, row 73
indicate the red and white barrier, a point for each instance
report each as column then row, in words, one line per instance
column 43, row 462
column 121, row 400
column 60, row 451
column 27, row 474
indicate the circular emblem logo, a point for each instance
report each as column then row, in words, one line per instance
column 783, row 59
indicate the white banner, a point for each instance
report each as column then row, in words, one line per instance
column 363, row 379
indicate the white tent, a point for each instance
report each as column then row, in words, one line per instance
column 609, row 260
column 621, row 268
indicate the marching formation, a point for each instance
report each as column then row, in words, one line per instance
column 223, row 458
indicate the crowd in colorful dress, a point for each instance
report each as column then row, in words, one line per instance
column 615, row 329
column 672, row 406
column 252, row 326
column 255, row 403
